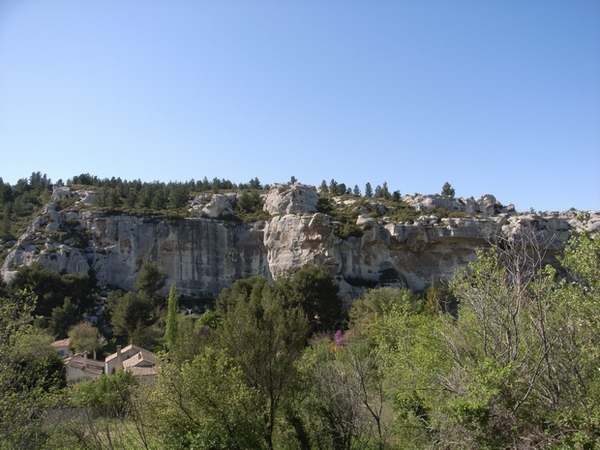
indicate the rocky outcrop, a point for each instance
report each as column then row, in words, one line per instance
column 203, row 254
column 291, row 199
column 486, row 205
column 219, row 205
column 81, row 196
column 412, row 255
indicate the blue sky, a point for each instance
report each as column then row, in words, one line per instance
column 499, row 97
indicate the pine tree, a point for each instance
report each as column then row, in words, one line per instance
column 173, row 309
column 333, row 186
column 448, row 190
column 5, row 223
column 324, row 188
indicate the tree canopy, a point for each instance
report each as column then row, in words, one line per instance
column 448, row 190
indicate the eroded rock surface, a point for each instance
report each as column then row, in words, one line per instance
column 291, row 199
column 203, row 254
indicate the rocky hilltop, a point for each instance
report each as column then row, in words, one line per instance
column 205, row 253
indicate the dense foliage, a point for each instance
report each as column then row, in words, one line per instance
column 515, row 365
column 505, row 356
column 55, row 294
column 19, row 203
column 31, row 374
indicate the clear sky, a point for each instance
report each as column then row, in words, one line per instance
column 499, row 97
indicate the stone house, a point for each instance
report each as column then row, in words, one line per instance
column 80, row 367
column 62, row 347
column 140, row 362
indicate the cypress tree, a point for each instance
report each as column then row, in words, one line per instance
column 173, row 309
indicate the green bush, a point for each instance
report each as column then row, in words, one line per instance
column 108, row 396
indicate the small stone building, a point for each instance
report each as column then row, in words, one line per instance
column 140, row 362
column 62, row 347
column 80, row 367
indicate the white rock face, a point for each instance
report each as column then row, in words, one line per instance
column 486, row 205
column 586, row 220
column 219, row 205
column 60, row 193
column 87, row 197
column 592, row 225
column 291, row 199
column 83, row 196
column 410, row 255
column 294, row 240
column 204, row 255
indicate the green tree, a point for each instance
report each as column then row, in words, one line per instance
column 44, row 283
column 383, row 192
column 131, row 199
column 130, row 312
column 172, row 317
column 147, row 336
column 31, row 375
column 581, row 260
column 409, row 356
column 314, row 289
column 368, row 190
column 255, row 184
column 112, row 199
column 345, row 404
column 192, row 337
column 205, row 404
column 249, row 203
column 265, row 339
column 51, row 289
column 79, row 288
column 63, row 318
column 151, row 279
column 144, row 197
column 438, row 299
column 448, row 190
column 239, row 292
column 575, row 357
column 517, row 365
column 324, row 188
column 84, row 338
column 210, row 319
column 333, row 186
column 6, row 192
column 160, row 198
column 5, row 225
column 178, row 195
column 370, row 309
column 108, row 396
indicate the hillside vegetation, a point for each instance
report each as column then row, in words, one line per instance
column 21, row 202
column 504, row 356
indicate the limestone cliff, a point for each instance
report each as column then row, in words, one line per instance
column 203, row 254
